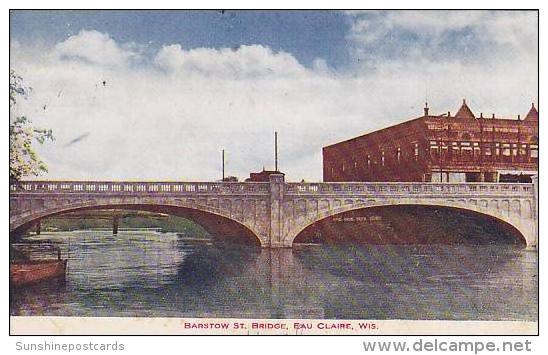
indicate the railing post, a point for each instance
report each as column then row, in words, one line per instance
column 277, row 190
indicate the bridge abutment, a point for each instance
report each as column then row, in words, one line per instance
column 535, row 211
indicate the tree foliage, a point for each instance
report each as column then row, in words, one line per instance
column 24, row 161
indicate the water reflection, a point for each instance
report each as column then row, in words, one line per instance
column 426, row 282
column 161, row 274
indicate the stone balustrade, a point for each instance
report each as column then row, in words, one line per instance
column 403, row 188
column 126, row 187
column 361, row 188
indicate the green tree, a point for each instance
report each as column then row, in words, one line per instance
column 23, row 159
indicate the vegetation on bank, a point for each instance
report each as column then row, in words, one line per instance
column 169, row 224
column 24, row 161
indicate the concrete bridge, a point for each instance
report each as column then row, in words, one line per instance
column 272, row 213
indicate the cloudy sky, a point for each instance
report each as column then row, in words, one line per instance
column 157, row 95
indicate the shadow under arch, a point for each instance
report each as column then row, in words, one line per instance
column 219, row 226
column 410, row 224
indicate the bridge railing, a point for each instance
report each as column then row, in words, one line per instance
column 139, row 187
column 344, row 188
column 399, row 188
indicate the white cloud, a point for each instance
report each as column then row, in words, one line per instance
column 94, row 47
column 169, row 117
column 241, row 62
column 444, row 33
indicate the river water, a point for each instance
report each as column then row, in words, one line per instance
column 149, row 273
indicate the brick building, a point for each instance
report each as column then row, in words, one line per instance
column 459, row 148
column 262, row 176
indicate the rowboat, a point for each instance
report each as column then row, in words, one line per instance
column 31, row 272
column 24, row 271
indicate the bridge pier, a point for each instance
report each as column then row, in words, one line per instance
column 38, row 227
column 115, row 222
column 277, row 190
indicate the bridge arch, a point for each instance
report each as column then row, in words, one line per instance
column 213, row 219
column 524, row 229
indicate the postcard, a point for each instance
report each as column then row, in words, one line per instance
column 235, row 172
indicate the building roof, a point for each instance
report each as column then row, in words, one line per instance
column 464, row 111
column 268, row 172
column 533, row 113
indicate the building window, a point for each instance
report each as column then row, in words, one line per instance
column 382, row 158
column 368, row 161
column 523, row 150
column 434, row 150
column 342, row 168
column 534, row 151
column 416, row 151
column 455, row 150
column 506, row 150
column 398, row 154
column 475, row 149
column 514, row 149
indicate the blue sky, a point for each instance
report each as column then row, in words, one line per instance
column 182, row 85
column 305, row 34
